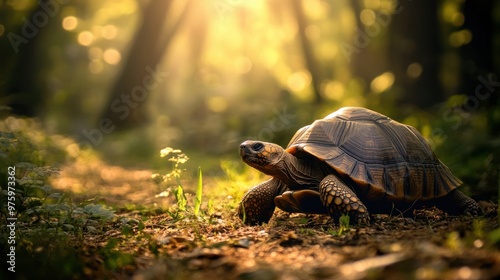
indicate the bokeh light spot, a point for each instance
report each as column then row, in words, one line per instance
column 414, row 70
column 109, row 32
column 367, row 17
column 460, row 38
column 382, row 83
column 112, row 56
column 85, row 38
column 70, row 23
column 334, row 90
column 465, row 273
column 478, row 243
column 299, row 80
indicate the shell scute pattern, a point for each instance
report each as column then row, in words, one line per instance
column 384, row 156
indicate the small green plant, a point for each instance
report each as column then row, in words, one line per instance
column 344, row 226
column 180, row 196
column 344, row 222
column 173, row 183
column 199, row 193
column 178, row 158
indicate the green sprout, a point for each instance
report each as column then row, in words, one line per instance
column 344, row 222
column 199, row 192
column 177, row 158
column 173, row 181
column 344, row 225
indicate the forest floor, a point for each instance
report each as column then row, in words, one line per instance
column 145, row 241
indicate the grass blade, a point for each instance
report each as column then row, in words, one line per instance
column 199, row 193
column 180, row 197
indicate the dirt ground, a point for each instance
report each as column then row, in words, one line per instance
column 432, row 245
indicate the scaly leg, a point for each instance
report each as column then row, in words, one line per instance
column 457, row 203
column 340, row 199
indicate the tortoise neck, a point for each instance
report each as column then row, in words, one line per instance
column 294, row 171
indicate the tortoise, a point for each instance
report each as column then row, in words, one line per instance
column 355, row 161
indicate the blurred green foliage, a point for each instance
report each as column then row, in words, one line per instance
column 32, row 154
column 48, row 222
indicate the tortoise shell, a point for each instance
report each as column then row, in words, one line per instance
column 380, row 157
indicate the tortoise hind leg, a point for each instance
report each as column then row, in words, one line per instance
column 340, row 199
column 301, row 201
column 457, row 203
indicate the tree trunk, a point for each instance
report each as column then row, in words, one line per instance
column 139, row 75
column 24, row 91
column 414, row 40
column 368, row 61
column 477, row 56
column 307, row 50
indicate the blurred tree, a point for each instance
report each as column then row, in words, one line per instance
column 478, row 54
column 24, row 92
column 368, row 62
column 307, row 50
column 480, row 81
column 361, row 66
column 414, row 53
column 140, row 75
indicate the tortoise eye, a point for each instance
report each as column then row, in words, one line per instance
column 257, row 146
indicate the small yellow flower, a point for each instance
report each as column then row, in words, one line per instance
column 166, row 151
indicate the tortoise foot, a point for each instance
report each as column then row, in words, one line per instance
column 457, row 203
column 340, row 199
column 360, row 218
column 473, row 210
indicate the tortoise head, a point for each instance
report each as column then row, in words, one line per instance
column 262, row 156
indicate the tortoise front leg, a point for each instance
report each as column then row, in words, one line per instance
column 257, row 205
column 340, row 199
